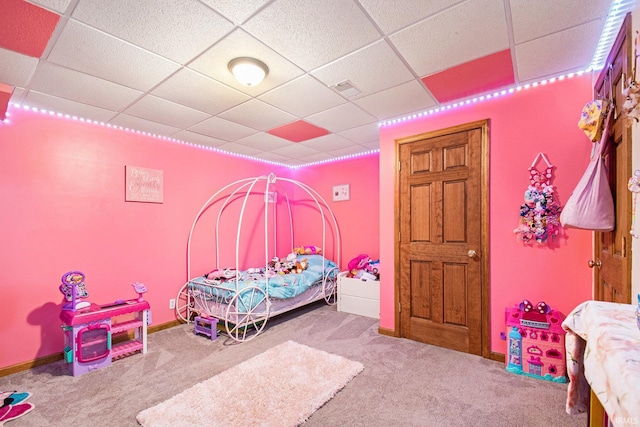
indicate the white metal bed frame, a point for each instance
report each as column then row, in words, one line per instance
column 245, row 314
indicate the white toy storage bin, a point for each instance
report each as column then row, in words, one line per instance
column 358, row 296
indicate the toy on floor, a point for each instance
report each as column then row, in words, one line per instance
column 74, row 289
column 206, row 325
column 535, row 342
column 13, row 405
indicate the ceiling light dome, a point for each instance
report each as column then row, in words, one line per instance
column 248, row 71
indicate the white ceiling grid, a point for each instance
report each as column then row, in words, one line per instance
column 160, row 66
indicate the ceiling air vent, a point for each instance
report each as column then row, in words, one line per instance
column 346, row 88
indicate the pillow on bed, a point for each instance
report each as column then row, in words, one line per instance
column 315, row 262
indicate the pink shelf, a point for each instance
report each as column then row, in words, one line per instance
column 125, row 326
column 125, row 348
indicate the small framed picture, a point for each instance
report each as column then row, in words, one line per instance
column 340, row 192
column 143, row 185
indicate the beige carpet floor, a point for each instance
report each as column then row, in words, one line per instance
column 281, row 387
column 404, row 383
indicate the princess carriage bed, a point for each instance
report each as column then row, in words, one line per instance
column 251, row 222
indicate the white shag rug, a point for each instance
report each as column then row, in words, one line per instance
column 281, row 387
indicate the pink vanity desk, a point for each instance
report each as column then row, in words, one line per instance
column 603, row 361
column 88, row 333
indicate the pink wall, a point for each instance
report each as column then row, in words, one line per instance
column 63, row 208
column 358, row 217
column 62, row 192
column 540, row 119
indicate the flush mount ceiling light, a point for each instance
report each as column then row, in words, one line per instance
column 248, row 71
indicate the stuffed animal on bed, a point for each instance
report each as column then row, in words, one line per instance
column 301, row 266
column 282, row 266
column 216, row 274
column 221, row 274
column 307, row 250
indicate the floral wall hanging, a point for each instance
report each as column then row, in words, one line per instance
column 540, row 212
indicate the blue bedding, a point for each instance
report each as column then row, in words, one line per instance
column 279, row 286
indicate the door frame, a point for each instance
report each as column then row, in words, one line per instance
column 485, row 306
column 622, row 206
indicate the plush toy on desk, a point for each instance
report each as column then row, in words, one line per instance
column 307, row 250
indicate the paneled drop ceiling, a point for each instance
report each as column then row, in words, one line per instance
column 160, row 66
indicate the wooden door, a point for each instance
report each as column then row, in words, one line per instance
column 442, row 245
column 612, row 250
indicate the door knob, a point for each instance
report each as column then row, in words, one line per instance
column 471, row 253
column 596, row 263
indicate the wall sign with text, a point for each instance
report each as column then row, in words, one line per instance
column 143, row 185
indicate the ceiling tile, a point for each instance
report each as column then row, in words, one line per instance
column 18, row 94
column 138, row 124
column 258, row 115
column 357, row 68
column 328, row 143
column 222, row 129
column 351, row 150
column 372, row 145
column 162, row 111
column 547, row 56
column 263, row 141
column 214, row 62
column 16, row 69
column 298, row 131
column 362, row 134
column 319, row 157
column 295, row 151
column 196, row 138
column 403, row 99
column 59, row 6
column 534, row 19
column 156, row 26
column 5, row 95
column 65, row 106
column 302, row 96
column 190, row 88
column 26, row 28
column 234, row 10
column 478, row 76
column 233, row 147
column 280, row 160
column 312, row 22
column 80, row 87
column 467, row 31
column 98, row 54
column 342, row 117
column 392, row 15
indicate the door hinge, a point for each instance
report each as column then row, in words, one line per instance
column 399, row 165
column 399, row 307
column 398, row 236
column 624, row 247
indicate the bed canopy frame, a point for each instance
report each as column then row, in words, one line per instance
column 245, row 314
